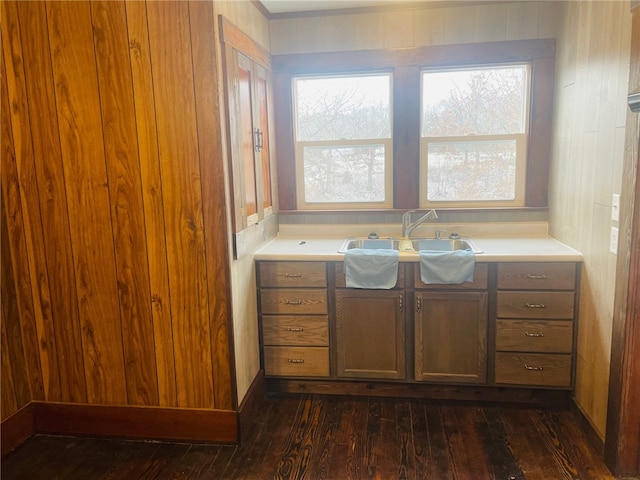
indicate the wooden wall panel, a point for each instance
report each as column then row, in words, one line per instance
column 74, row 69
column 173, row 85
column 61, row 342
column 123, row 170
column 23, row 210
column 153, row 202
column 206, row 78
column 115, row 206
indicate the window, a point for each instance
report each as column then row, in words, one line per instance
column 511, row 158
column 473, row 141
column 342, row 139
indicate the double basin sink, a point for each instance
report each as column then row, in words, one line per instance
column 409, row 245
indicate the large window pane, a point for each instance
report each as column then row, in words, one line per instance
column 344, row 174
column 348, row 107
column 482, row 101
column 471, row 171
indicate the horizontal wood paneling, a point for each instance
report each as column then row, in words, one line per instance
column 115, row 207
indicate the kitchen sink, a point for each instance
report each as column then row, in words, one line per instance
column 412, row 245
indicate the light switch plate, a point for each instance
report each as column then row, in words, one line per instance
column 615, row 207
column 613, row 241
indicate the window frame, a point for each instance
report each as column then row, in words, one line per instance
column 406, row 65
column 299, row 145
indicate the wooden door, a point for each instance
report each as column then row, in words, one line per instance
column 261, row 131
column 247, row 137
column 370, row 334
column 451, row 337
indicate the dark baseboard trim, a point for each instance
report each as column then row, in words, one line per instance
column 175, row 424
column 251, row 405
column 525, row 396
column 17, row 428
column 592, row 436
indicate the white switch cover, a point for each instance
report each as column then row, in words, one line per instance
column 613, row 242
column 615, row 207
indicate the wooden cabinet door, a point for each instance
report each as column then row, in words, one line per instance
column 370, row 334
column 451, row 337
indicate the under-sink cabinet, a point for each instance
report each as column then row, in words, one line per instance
column 512, row 327
column 370, row 330
column 451, row 330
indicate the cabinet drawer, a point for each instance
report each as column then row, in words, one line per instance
column 550, row 370
column 534, row 336
column 536, row 276
column 341, row 281
column 294, row 300
column 535, row 305
column 293, row 274
column 479, row 280
column 296, row 361
column 295, row 330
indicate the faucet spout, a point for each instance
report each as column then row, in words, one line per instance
column 408, row 226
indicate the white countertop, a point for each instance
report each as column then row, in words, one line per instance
column 321, row 243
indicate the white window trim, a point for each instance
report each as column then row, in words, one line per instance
column 520, row 180
column 388, row 168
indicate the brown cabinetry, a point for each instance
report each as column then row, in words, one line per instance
column 535, row 327
column 294, row 316
column 370, row 331
column 451, row 330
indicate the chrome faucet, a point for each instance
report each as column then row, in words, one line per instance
column 408, row 227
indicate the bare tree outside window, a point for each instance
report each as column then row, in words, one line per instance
column 474, row 134
column 343, row 138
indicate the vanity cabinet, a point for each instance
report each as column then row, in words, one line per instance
column 450, row 330
column 370, row 330
column 512, row 326
column 535, row 324
column 294, row 318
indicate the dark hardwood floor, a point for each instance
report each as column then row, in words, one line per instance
column 325, row 437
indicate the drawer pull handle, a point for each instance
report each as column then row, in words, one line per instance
column 536, row 277
column 295, row 360
column 535, row 305
column 537, row 368
column 292, row 275
column 401, row 303
column 537, row 334
column 292, row 302
column 295, row 329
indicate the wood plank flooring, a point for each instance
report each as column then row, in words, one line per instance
column 339, row 438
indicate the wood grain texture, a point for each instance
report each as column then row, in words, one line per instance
column 123, row 171
column 148, row 153
column 173, row 84
column 536, row 276
column 295, row 330
column 82, row 143
column 307, row 301
column 293, row 274
column 215, row 222
column 61, row 339
column 23, row 209
column 16, row 428
column 112, row 172
column 534, row 335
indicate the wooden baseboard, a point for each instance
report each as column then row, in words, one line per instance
column 175, row 424
column 525, row 396
column 17, row 428
column 251, row 405
column 592, row 435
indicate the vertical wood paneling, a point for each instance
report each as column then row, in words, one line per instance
column 152, row 197
column 171, row 59
column 74, row 68
column 123, row 170
column 14, row 386
column 61, row 342
column 33, row 270
column 114, row 198
column 206, row 78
